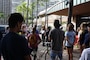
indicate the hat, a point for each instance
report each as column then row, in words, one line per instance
column 56, row 23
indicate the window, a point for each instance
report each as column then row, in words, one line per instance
column 74, row 2
column 82, row 1
column 78, row 1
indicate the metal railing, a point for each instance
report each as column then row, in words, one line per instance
column 63, row 5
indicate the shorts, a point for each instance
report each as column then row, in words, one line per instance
column 53, row 54
column 69, row 46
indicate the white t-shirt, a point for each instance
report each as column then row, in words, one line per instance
column 85, row 54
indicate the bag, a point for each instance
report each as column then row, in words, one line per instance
column 33, row 40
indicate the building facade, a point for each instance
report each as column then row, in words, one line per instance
column 80, row 10
column 5, row 9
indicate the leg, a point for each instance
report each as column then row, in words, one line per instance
column 35, row 53
column 70, row 55
column 53, row 55
column 68, row 51
column 81, row 49
column 60, row 55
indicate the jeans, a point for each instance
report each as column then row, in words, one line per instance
column 53, row 54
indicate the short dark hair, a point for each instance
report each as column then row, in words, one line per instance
column 56, row 24
column 14, row 19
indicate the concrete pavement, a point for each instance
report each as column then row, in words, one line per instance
column 42, row 50
column 41, row 53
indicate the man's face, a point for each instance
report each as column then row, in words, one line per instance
column 19, row 26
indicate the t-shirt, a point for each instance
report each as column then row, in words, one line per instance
column 82, row 37
column 71, row 38
column 14, row 47
column 85, row 54
column 33, row 40
column 57, row 36
column 87, row 40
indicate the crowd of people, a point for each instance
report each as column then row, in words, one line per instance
column 18, row 43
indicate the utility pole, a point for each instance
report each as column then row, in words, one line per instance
column 70, row 10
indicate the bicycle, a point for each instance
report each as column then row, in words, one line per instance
column 47, row 53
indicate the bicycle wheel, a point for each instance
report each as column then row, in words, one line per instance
column 47, row 56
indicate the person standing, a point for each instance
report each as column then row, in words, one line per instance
column 13, row 45
column 34, row 40
column 56, row 36
column 43, row 32
column 70, row 38
column 81, row 35
column 86, row 43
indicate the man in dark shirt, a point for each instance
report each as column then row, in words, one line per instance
column 14, row 46
column 57, row 37
column 86, row 43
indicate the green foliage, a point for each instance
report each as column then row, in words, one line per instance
column 1, row 15
column 22, row 8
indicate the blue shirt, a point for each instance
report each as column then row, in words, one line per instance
column 87, row 39
column 71, row 37
column 14, row 47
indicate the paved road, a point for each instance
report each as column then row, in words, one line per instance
column 41, row 54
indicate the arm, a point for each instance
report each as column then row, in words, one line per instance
column 39, row 39
column 86, row 40
column 67, row 39
column 25, row 49
column 50, row 36
column 28, row 57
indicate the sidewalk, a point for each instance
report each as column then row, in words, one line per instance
column 41, row 54
column 42, row 49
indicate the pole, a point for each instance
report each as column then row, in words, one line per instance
column 70, row 10
column 32, row 13
column 37, row 13
column 46, row 17
column 27, row 11
column 61, row 20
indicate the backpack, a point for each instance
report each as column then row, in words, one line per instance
column 33, row 40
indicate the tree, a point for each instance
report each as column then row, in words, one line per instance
column 22, row 8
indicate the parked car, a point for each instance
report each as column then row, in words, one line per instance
column 3, row 29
